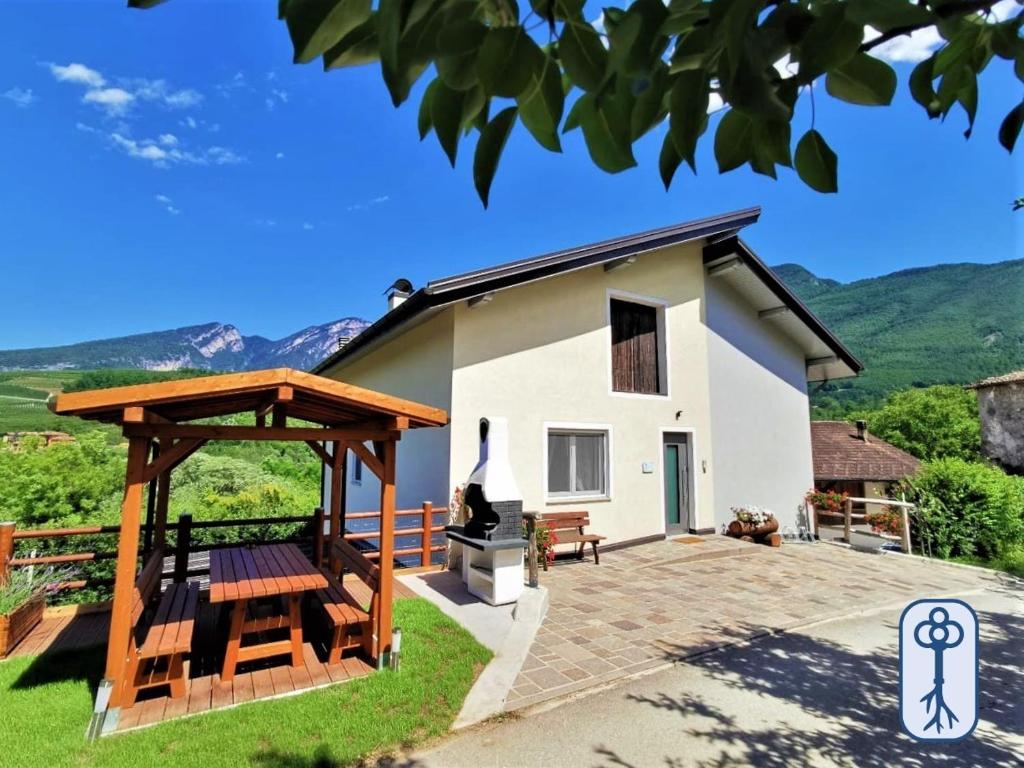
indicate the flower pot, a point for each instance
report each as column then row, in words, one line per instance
column 738, row 529
column 19, row 623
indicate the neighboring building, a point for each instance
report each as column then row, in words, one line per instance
column 48, row 438
column 655, row 380
column 848, row 458
column 1001, row 406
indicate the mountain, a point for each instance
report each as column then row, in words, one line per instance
column 947, row 324
column 213, row 346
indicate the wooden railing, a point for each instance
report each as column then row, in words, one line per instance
column 185, row 543
column 849, row 517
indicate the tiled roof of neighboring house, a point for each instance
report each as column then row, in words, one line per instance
column 1013, row 377
column 841, row 454
column 721, row 229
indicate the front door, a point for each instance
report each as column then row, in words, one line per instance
column 676, row 466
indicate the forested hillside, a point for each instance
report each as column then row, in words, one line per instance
column 948, row 324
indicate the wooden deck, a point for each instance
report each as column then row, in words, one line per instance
column 255, row 680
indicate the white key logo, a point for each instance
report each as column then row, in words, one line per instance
column 939, row 670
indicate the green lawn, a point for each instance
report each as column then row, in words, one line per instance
column 44, row 709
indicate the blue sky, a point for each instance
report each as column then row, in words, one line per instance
column 172, row 167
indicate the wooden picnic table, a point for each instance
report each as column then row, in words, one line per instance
column 242, row 574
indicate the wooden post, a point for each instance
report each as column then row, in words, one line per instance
column 147, row 539
column 813, row 514
column 848, row 521
column 318, row 536
column 428, row 537
column 182, row 548
column 531, row 548
column 163, row 495
column 387, row 547
column 6, row 551
column 338, row 451
column 905, row 533
column 124, row 575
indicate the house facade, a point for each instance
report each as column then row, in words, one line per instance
column 655, row 380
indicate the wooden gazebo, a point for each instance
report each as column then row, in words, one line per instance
column 163, row 424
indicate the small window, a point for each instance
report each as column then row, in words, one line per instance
column 637, row 351
column 577, row 464
column 357, row 470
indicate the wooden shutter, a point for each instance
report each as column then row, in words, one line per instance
column 634, row 347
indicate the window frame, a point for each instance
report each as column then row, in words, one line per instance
column 357, row 470
column 661, row 307
column 574, row 428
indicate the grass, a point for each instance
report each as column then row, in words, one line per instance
column 45, row 706
column 1011, row 562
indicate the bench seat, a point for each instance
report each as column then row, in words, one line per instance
column 351, row 625
column 568, row 529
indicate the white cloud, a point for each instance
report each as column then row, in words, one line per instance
column 369, row 203
column 115, row 101
column 160, row 91
column 168, row 139
column 307, row 226
column 1004, row 9
column 78, row 73
column 189, row 121
column 168, row 204
column 168, row 155
column 20, row 97
column 276, row 97
column 914, row 47
column 279, row 156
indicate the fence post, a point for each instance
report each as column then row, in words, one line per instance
column 905, row 532
column 847, row 521
column 531, row 548
column 6, row 550
column 428, row 538
column 181, row 549
column 318, row 536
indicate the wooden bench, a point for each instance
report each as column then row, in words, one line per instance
column 157, row 646
column 351, row 625
column 568, row 527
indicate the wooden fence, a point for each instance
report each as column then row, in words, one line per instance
column 186, row 544
column 849, row 517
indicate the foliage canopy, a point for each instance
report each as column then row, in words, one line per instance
column 496, row 64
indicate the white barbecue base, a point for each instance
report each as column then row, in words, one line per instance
column 493, row 575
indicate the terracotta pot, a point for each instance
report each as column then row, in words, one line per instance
column 22, row 620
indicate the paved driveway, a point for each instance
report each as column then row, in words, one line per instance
column 824, row 695
column 646, row 606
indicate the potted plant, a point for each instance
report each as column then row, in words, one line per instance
column 22, row 600
column 546, row 541
column 827, row 501
column 752, row 521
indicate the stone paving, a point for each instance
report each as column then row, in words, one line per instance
column 649, row 605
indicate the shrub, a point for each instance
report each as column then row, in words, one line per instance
column 966, row 509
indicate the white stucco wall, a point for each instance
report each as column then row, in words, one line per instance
column 760, row 421
column 541, row 353
column 416, row 365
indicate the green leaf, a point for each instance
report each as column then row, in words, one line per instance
column 446, row 105
column 734, row 140
column 541, row 105
column 607, row 143
column 831, row 40
column 582, row 54
column 488, row 151
column 572, row 122
column 636, row 43
column 862, row 80
column 423, row 121
column 693, row 51
column 282, row 7
column 1009, row 130
column 668, row 161
column 770, row 146
column 688, row 117
column 509, row 59
column 884, row 15
column 360, row 46
column 921, row 87
column 816, row 163
column 316, row 25
column 458, row 47
column 649, row 107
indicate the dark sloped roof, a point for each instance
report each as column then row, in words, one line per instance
column 840, row 454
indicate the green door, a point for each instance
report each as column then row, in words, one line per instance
column 677, row 481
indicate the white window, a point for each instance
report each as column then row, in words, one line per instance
column 577, row 464
column 357, row 470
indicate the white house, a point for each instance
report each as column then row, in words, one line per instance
column 656, row 380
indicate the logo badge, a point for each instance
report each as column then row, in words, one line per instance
column 939, row 670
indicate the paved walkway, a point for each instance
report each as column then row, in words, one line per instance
column 825, row 695
column 646, row 606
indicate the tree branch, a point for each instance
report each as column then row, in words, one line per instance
column 947, row 11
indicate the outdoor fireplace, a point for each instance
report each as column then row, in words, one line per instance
column 492, row 539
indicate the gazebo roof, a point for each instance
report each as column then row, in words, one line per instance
column 306, row 396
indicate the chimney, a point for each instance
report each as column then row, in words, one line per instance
column 399, row 291
column 862, row 430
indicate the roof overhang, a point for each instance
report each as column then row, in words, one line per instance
column 730, row 260
column 438, row 294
